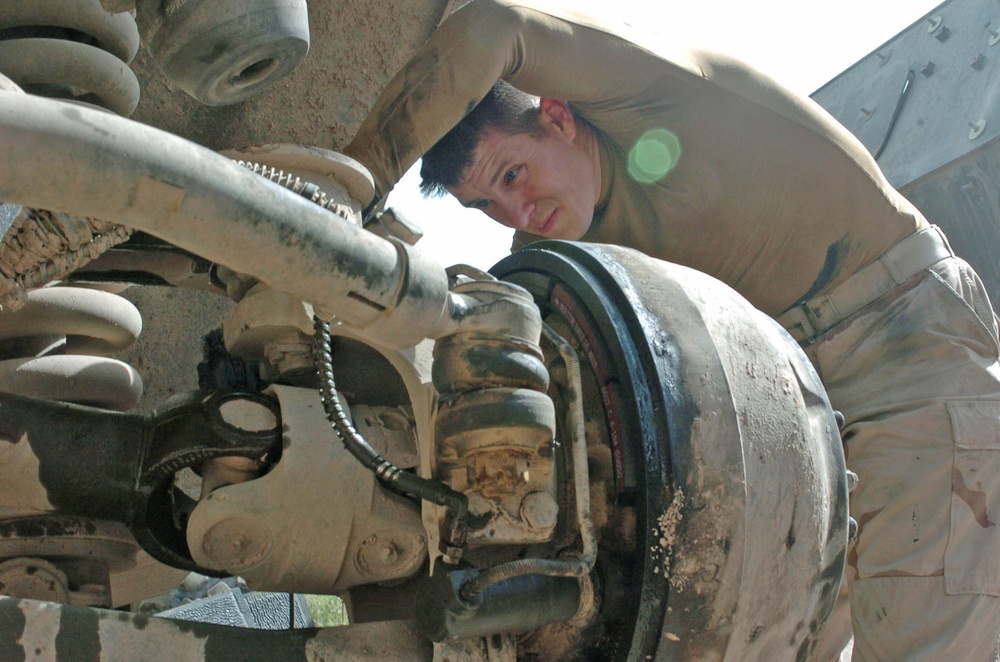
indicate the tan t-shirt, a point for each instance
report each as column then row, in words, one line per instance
column 704, row 161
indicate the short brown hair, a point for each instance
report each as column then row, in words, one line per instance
column 504, row 108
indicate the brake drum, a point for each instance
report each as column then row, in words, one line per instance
column 724, row 524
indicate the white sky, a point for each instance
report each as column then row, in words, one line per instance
column 803, row 43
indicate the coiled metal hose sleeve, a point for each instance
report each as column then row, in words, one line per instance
column 402, row 482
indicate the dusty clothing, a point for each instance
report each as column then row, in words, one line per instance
column 709, row 164
column 769, row 194
column 915, row 371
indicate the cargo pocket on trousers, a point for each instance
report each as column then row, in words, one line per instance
column 972, row 561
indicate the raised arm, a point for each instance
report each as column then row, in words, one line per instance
column 547, row 52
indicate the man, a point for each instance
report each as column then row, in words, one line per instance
column 694, row 158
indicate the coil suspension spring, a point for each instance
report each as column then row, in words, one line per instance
column 72, row 50
column 57, row 347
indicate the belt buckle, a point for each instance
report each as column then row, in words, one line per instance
column 803, row 329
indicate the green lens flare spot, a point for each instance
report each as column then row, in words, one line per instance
column 653, row 156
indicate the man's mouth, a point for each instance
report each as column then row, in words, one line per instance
column 547, row 223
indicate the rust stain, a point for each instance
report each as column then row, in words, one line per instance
column 976, row 500
column 852, row 556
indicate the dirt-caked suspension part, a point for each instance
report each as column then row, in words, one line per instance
column 72, row 50
column 495, row 423
column 223, row 51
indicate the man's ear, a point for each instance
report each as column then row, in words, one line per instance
column 557, row 115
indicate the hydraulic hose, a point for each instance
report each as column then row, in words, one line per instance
column 581, row 567
column 399, row 481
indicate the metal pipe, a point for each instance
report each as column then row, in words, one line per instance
column 69, row 158
column 524, row 603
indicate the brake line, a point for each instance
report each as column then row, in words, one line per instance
column 396, row 479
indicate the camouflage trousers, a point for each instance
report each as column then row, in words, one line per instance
column 916, row 375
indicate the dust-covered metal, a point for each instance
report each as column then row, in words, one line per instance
column 453, row 531
column 520, row 603
column 274, row 328
column 48, row 631
column 99, row 464
column 576, row 563
column 711, row 416
column 183, row 437
column 71, row 50
column 64, row 559
column 659, row 442
column 223, row 51
column 129, row 173
column 366, row 533
column 495, row 424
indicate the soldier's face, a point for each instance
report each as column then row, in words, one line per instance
column 547, row 185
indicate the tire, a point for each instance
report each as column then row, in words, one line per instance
column 725, row 527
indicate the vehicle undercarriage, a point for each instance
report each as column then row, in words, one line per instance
column 585, row 453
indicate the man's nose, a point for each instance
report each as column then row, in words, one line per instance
column 518, row 213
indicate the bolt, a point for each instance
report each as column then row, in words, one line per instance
column 867, row 112
column 539, row 510
column 943, row 34
column 976, row 129
column 928, row 69
column 389, row 553
column 852, row 480
column 978, row 62
column 883, row 57
column 236, row 543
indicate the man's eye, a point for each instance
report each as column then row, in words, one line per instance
column 511, row 175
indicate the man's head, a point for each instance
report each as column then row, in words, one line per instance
column 528, row 164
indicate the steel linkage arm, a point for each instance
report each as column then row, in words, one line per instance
column 73, row 159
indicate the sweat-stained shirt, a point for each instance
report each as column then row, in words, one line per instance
column 732, row 174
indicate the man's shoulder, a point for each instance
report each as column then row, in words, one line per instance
column 635, row 27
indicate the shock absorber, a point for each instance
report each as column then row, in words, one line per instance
column 71, row 49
